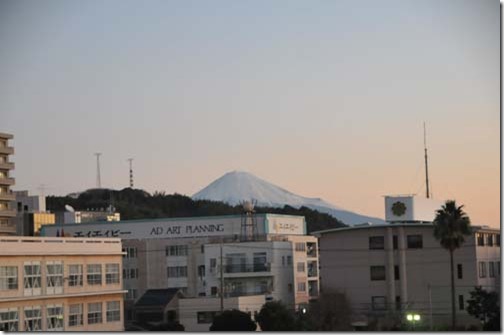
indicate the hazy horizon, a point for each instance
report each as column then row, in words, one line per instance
column 326, row 99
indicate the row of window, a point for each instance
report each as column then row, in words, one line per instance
column 54, row 275
column 379, row 303
column 9, row 317
column 488, row 239
column 412, row 242
column 493, row 269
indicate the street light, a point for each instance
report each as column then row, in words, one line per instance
column 413, row 318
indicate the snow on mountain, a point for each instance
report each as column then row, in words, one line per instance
column 237, row 186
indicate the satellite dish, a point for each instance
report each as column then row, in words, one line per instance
column 69, row 208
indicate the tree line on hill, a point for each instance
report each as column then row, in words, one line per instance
column 139, row 204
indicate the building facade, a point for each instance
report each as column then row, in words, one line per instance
column 200, row 255
column 390, row 270
column 7, row 213
column 61, row 284
column 31, row 213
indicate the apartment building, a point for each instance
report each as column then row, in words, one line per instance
column 31, row 213
column 7, row 225
column 393, row 269
column 279, row 262
column 60, row 284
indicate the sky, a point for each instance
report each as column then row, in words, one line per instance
column 325, row 98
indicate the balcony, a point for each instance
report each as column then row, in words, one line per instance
column 247, row 268
column 7, row 196
column 6, row 166
column 7, row 181
column 6, row 150
column 8, row 229
column 7, row 213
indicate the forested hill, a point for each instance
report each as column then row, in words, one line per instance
column 138, row 204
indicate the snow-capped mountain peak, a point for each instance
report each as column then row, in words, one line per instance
column 236, row 186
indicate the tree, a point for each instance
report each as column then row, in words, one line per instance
column 168, row 326
column 233, row 320
column 451, row 225
column 331, row 312
column 275, row 316
column 485, row 306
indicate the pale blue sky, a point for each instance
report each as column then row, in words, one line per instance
column 325, row 98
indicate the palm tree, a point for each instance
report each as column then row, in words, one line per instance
column 451, row 225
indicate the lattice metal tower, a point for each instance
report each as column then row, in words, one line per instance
column 248, row 221
column 131, row 171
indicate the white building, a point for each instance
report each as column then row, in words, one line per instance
column 389, row 270
column 280, row 262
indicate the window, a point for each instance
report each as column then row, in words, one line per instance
column 491, row 270
column 112, row 273
column 33, row 318
column 177, row 271
column 75, row 275
column 75, row 315
column 94, row 313
column 289, row 260
column 130, row 252
column 460, row 273
column 176, row 250
column 32, row 278
column 289, row 287
column 489, row 240
column 213, row 290
column 132, row 294
column 213, row 263
column 94, row 274
column 202, row 248
column 113, row 311
column 8, row 277
column 301, row 267
column 397, row 275
column 379, row 303
column 9, row 319
column 130, row 273
column 497, row 240
column 54, row 277
column 206, row 317
column 461, row 302
column 480, row 239
column 482, row 270
column 377, row 273
column 300, row 246
column 301, row 286
column 415, row 241
column 55, row 317
column 398, row 305
column 201, row 271
column 498, row 268
column 394, row 242
column 260, row 262
column 376, row 242
column 283, row 260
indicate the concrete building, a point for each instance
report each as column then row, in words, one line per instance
column 280, row 262
column 96, row 215
column 60, row 284
column 31, row 213
column 7, row 225
column 392, row 269
column 196, row 314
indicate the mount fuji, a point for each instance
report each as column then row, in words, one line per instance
column 237, row 186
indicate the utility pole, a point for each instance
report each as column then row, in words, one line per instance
column 98, row 177
column 426, row 163
column 430, row 306
column 221, row 281
column 131, row 171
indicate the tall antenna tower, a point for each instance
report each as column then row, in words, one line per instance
column 98, row 177
column 131, row 171
column 426, row 161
